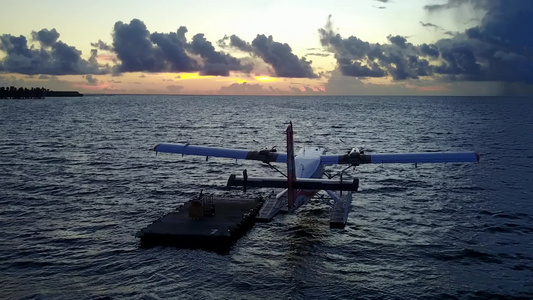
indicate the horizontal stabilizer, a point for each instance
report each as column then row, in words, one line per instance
column 300, row 183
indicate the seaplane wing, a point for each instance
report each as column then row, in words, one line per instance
column 187, row 149
column 356, row 158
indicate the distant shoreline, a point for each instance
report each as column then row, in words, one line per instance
column 34, row 93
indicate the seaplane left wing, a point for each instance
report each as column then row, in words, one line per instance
column 355, row 158
column 265, row 155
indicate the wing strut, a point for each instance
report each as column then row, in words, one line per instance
column 291, row 175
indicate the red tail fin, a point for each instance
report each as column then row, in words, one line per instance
column 291, row 175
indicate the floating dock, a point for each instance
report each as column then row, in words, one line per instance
column 207, row 222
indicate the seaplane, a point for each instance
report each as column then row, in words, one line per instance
column 305, row 170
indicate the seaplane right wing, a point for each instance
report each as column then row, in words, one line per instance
column 265, row 156
column 355, row 158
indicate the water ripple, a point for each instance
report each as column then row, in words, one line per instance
column 78, row 179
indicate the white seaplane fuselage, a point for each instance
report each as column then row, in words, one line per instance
column 307, row 164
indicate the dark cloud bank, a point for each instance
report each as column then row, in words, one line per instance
column 54, row 57
column 278, row 55
column 499, row 49
column 141, row 51
column 138, row 50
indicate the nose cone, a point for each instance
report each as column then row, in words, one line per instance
column 477, row 156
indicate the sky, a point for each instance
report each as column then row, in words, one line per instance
column 235, row 47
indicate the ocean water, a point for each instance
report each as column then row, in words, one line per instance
column 78, row 179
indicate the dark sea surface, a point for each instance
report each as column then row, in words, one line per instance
column 78, row 179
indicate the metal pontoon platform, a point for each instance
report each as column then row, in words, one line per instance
column 207, row 222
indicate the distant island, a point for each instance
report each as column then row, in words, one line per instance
column 34, row 93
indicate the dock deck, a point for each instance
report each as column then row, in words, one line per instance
column 231, row 218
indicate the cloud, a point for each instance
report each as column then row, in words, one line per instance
column 357, row 58
column 136, row 52
column 399, row 41
column 215, row 63
column 248, row 89
column 54, row 57
column 477, row 4
column 307, row 90
column 171, row 47
column 46, row 37
column 100, row 45
column 236, row 42
column 431, row 25
column 497, row 50
column 459, row 60
column 429, row 50
column 278, row 55
column 91, row 80
column 140, row 51
column 436, row 28
column 344, row 85
column 175, row 88
column 319, row 54
column 339, row 84
column 12, row 81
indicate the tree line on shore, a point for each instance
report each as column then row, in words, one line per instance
column 33, row 93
